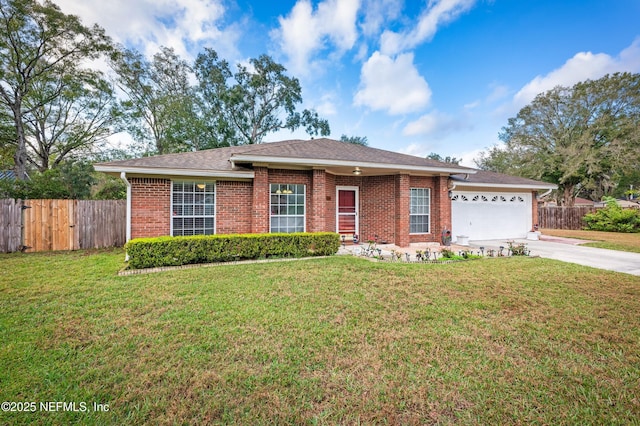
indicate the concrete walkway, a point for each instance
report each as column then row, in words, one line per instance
column 566, row 250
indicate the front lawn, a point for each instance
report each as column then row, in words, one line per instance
column 607, row 240
column 322, row 341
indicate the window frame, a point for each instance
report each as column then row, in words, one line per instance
column 273, row 188
column 421, row 214
column 193, row 204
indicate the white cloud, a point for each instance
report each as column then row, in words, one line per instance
column 377, row 13
column 472, row 105
column 582, row 66
column 304, row 32
column 498, row 92
column 391, row 84
column 327, row 105
column 437, row 13
column 468, row 157
column 148, row 24
column 419, row 150
column 436, row 125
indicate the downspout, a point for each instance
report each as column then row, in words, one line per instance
column 123, row 176
column 540, row 196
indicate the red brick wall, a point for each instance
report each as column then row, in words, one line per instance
column 440, row 207
column 377, row 205
column 243, row 207
column 377, row 208
column 330, row 204
column 402, row 210
column 318, row 198
column 260, row 201
column 150, row 207
column 233, row 207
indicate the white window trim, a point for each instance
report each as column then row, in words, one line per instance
column 215, row 204
column 304, row 204
column 428, row 215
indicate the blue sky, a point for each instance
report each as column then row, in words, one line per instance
column 416, row 77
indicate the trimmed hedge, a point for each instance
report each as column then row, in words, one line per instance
column 177, row 251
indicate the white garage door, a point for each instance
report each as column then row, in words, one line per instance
column 490, row 215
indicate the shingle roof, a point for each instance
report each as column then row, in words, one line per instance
column 492, row 178
column 318, row 149
column 329, row 149
column 214, row 159
column 235, row 159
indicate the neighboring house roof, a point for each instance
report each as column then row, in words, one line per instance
column 583, row 202
column 7, row 174
column 483, row 178
column 335, row 156
column 626, row 204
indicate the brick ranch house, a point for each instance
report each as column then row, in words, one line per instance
column 321, row 185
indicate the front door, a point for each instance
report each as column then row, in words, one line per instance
column 347, row 210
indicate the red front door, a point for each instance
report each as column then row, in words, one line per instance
column 347, row 211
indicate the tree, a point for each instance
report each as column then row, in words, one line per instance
column 39, row 44
column 254, row 101
column 70, row 180
column 447, row 159
column 161, row 110
column 71, row 124
column 582, row 138
column 358, row 140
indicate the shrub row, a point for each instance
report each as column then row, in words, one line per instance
column 176, row 251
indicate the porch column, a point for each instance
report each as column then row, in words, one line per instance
column 317, row 219
column 442, row 207
column 402, row 210
column 534, row 211
column 260, row 214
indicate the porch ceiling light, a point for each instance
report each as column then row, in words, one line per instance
column 357, row 171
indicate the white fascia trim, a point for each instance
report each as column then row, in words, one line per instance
column 342, row 163
column 460, row 185
column 174, row 172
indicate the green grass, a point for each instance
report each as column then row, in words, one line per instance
column 607, row 240
column 324, row 341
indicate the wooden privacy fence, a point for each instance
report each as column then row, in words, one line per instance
column 10, row 225
column 563, row 217
column 44, row 225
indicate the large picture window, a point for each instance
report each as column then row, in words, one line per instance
column 193, row 208
column 419, row 210
column 287, row 208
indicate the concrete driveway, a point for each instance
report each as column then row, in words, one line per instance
column 567, row 251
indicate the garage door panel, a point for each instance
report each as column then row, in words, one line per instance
column 490, row 215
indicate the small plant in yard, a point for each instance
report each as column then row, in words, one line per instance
column 518, row 249
column 447, row 254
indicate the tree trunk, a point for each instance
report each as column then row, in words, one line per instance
column 568, row 200
column 20, row 157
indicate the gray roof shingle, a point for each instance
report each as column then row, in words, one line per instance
column 230, row 159
column 493, row 178
column 319, row 149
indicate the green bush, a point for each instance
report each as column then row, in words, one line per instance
column 175, row 251
column 613, row 218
